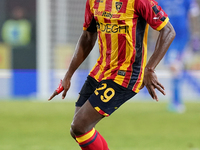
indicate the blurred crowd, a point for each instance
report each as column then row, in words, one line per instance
column 17, row 28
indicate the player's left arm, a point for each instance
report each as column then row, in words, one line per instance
column 165, row 38
column 158, row 20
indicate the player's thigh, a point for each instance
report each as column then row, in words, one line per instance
column 75, row 118
column 76, row 110
column 85, row 119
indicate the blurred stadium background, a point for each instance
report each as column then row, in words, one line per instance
column 32, row 69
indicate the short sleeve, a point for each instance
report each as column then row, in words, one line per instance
column 89, row 23
column 152, row 13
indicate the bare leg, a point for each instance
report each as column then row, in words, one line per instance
column 71, row 132
column 85, row 118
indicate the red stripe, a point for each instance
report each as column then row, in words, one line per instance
column 127, row 76
column 96, row 5
column 97, row 68
column 94, row 71
column 108, row 6
column 124, row 5
column 129, row 73
column 84, row 134
column 121, row 48
column 121, row 22
column 88, row 15
column 108, row 55
column 121, row 54
column 107, row 20
column 88, row 140
column 102, row 112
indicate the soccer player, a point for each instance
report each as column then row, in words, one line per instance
column 121, row 69
column 181, row 14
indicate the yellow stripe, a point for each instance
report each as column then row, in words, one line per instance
column 129, row 40
column 92, row 2
column 98, row 109
column 145, row 56
column 86, row 136
column 84, row 28
column 163, row 24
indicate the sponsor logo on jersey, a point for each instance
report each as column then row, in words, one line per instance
column 121, row 73
column 112, row 28
column 118, row 5
column 106, row 14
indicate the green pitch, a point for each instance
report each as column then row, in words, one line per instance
column 29, row 125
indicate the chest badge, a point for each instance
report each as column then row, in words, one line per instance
column 118, row 5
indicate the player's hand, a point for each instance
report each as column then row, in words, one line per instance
column 66, row 85
column 151, row 83
column 63, row 86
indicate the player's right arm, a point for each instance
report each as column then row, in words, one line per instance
column 83, row 48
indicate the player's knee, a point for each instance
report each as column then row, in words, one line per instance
column 72, row 133
column 76, row 130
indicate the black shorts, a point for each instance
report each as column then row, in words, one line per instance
column 105, row 96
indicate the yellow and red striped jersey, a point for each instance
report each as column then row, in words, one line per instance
column 122, row 27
